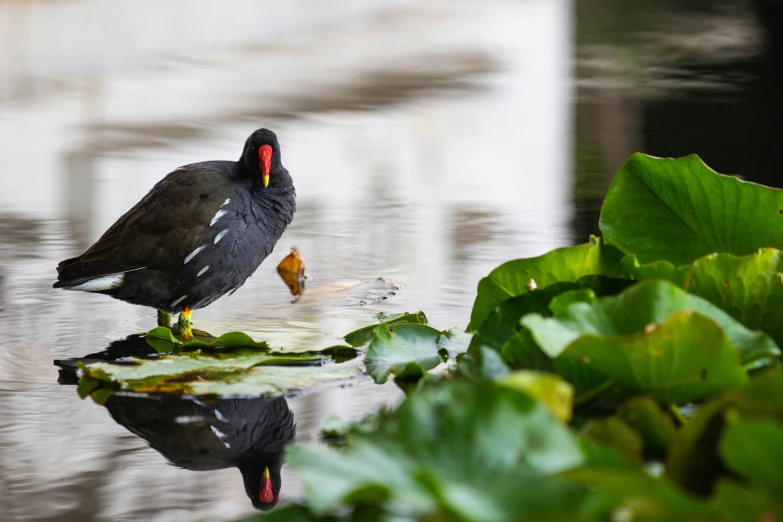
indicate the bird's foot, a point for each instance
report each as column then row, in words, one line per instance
column 164, row 319
column 184, row 322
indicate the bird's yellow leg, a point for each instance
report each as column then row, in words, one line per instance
column 164, row 319
column 185, row 323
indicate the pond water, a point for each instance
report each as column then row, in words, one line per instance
column 425, row 161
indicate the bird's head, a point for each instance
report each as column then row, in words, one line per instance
column 261, row 158
column 262, row 484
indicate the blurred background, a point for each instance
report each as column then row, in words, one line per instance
column 429, row 142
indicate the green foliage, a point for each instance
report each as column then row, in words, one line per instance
column 568, row 264
column 679, row 210
column 567, row 396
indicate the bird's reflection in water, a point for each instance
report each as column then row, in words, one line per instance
column 246, row 433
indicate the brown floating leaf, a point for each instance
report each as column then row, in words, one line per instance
column 292, row 271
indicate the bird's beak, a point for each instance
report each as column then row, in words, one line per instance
column 266, row 494
column 265, row 178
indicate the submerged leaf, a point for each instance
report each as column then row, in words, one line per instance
column 680, row 210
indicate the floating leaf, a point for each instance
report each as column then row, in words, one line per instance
column 407, row 350
column 561, row 265
column 242, row 372
column 364, row 335
column 680, row 210
column 749, row 288
column 453, row 342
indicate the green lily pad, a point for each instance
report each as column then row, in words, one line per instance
column 623, row 492
column 407, row 350
column 453, row 342
column 364, row 335
column 477, row 451
column 749, row 288
column 680, row 210
column 656, row 427
column 693, row 460
column 241, row 372
column 637, row 309
column 503, row 322
column 617, row 434
column 164, row 341
column 547, row 388
column 521, row 276
column 753, row 448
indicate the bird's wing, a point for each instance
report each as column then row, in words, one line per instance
column 161, row 230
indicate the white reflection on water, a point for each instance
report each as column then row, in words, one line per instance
column 427, row 144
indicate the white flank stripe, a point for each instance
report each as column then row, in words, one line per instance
column 193, row 254
column 200, row 272
column 220, row 214
column 102, row 283
column 220, row 235
column 219, row 415
column 178, row 301
column 226, row 202
column 217, row 432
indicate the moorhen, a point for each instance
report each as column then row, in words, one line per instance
column 198, row 234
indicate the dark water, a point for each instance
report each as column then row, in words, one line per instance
column 426, row 161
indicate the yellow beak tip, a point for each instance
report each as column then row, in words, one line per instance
column 265, row 177
column 266, row 473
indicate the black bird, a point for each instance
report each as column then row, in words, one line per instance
column 198, row 234
column 249, row 434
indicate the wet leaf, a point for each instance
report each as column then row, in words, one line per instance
column 242, row 372
column 567, row 264
column 749, row 288
column 680, row 210
column 292, row 271
column 164, row 341
column 406, row 350
column 371, row 291
column 453, row 342
column 364, row 335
